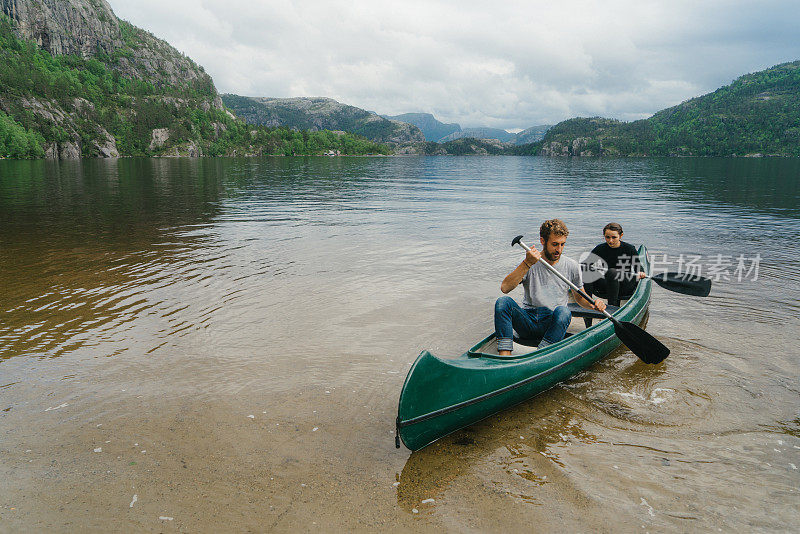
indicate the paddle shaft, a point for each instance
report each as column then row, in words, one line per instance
column 564, row 278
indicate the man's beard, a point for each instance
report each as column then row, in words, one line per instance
column 550, row 257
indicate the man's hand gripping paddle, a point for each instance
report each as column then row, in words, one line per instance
column 642, row 344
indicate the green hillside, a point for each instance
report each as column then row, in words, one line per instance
column 68, row 106
column 97, row 86
column 321, row 114
column 757, row 114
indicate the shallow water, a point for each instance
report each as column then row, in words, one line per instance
column 231, row 337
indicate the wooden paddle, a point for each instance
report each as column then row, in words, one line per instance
column 642, row 344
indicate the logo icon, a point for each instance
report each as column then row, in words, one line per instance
column 593, row 267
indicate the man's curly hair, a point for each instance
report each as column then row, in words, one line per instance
column 553, row 227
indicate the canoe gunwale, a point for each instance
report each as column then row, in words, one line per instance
column 505, row 389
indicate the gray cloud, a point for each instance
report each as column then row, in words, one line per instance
column 511, row 64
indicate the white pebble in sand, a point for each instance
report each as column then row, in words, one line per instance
column 165, row 518
column 428, row 501
column 315, row 429
column 99, row 449
column 396, row 484
column 135, row 498
column 414, row 511
column 251, row 416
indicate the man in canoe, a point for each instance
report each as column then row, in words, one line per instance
column 622, row 260
column 544, row 313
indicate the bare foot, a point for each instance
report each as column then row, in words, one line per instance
column 504, row 352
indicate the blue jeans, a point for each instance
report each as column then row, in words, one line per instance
column 549, row 325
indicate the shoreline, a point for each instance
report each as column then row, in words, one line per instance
column 253, row 156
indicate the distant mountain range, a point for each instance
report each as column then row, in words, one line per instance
column 321, row 114
column 432, row 129
column 328, row 114
column 439, row 132
column 76, row 81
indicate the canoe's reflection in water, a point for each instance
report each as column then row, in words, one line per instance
column 524, row 448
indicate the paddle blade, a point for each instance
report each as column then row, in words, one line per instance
column 697, row 286
column 642, row 344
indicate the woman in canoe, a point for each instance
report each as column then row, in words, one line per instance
column 622, row 260
column 544, row 313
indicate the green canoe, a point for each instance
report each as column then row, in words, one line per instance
column 442, row 395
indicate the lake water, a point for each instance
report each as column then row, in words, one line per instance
column 219, row 344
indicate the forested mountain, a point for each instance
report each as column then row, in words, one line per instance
column 321, row 114
column 467, row 146
column 757, row 114
column 76, row 81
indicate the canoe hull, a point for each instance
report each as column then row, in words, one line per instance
column 441, row 395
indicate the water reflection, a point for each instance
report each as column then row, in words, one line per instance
column 201, row 279
column 86, row 245
column 524, row 452
column 765, row 185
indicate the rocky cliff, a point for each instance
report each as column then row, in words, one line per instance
column 95, row 85
column 89, row 29
column 321, row 114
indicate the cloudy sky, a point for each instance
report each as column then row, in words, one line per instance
column 506, row 64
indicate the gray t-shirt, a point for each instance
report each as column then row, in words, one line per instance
column 543, row 288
